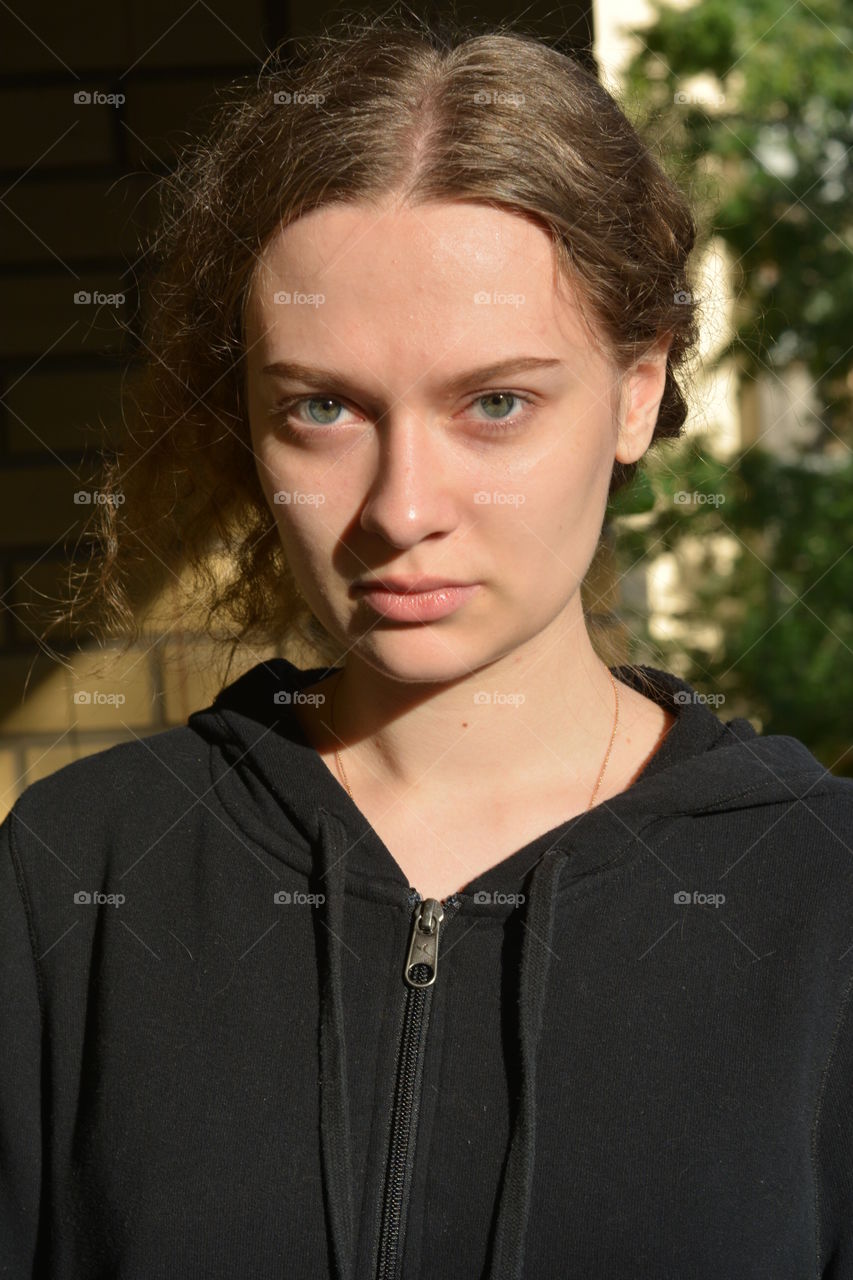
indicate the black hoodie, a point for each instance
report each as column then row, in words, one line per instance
column 635, row 1058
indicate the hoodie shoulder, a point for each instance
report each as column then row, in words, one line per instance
column 114, row 791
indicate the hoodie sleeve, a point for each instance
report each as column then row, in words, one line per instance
column 834, row 1151
column 20, row 1072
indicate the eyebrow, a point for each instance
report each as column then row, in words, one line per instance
column 293, row 371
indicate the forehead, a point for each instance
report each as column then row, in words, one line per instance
column 439, row 273
column 458, row 238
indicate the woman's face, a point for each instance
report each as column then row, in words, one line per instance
column 400, row 459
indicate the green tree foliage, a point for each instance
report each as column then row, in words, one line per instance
column 750, row 106
column 767, row 143
column 764, row 555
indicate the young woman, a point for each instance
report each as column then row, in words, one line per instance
column 463, row 953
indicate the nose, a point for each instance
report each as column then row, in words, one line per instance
column 410, row 494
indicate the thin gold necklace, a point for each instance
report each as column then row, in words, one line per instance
column 600, row 776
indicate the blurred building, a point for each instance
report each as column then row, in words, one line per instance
column 728, row 412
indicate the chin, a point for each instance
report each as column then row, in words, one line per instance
column 414, row 655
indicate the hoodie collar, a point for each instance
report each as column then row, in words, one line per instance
column 273, row 781
column 269, row 776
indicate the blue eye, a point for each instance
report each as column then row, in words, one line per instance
column 299, row 426
column 322, row 400
column 495, row 395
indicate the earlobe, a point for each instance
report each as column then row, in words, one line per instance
column 642, row 391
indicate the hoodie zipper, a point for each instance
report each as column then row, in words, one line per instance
column 420, row 972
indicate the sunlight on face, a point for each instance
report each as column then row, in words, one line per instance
column 397, row 460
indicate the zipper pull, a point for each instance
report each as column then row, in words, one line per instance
column 423, row 948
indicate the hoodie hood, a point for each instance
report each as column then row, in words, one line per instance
column 266, row 772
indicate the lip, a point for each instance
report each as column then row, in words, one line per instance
column 419, row 606
column 408, row 585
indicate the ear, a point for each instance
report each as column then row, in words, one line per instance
column 642, row 391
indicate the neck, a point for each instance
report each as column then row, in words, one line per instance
column 545, row 722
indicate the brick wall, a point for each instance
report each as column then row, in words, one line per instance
column 77, row 180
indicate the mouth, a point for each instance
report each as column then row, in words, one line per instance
column 418, row 606
column 415, row 586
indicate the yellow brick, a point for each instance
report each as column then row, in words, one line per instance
column 192, row 674
column 89, row 746
column 41, row 761
column 11, row 785
column 174, row 608
column 109, row 691
column 39, row 704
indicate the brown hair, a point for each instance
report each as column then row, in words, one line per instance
column 373, row 107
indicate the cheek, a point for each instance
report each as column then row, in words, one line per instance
column 562, row 509
column 307, row 536
column 292, row 492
